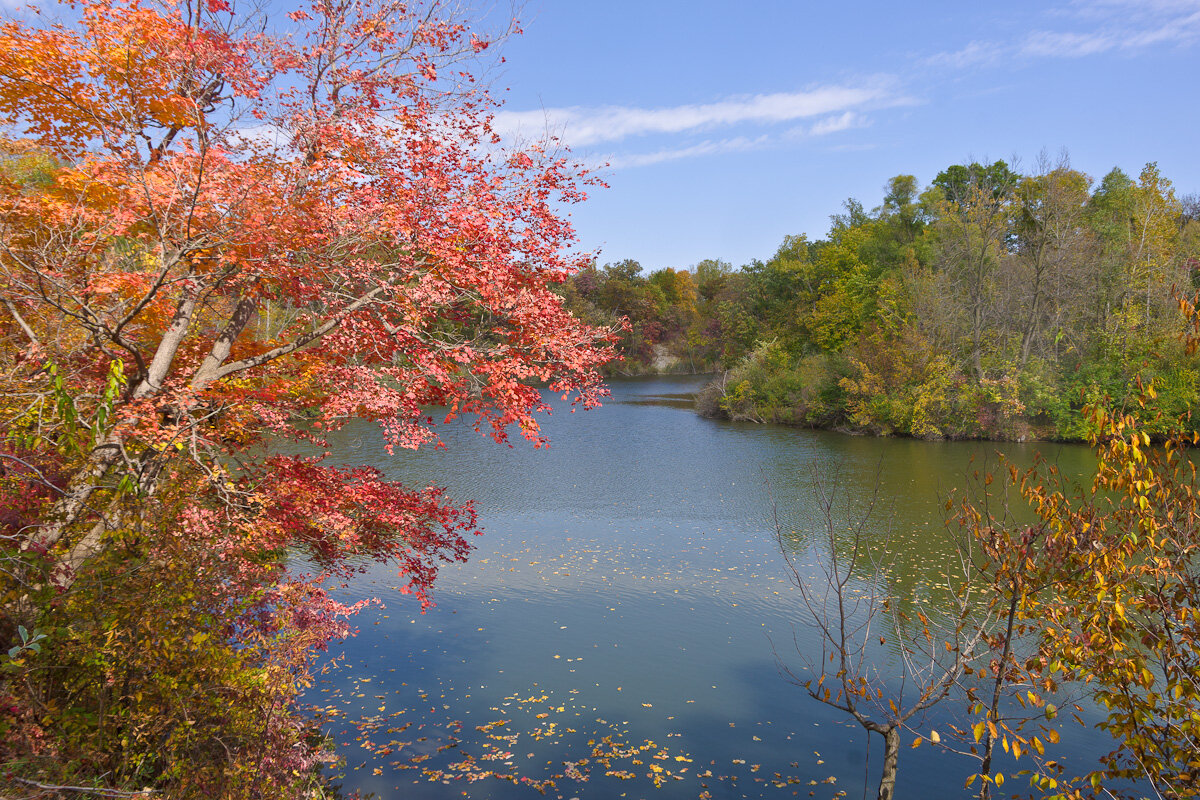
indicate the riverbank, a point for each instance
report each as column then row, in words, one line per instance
column 992, row 412
column 720, row 402
column 831, row 392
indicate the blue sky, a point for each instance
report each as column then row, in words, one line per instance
column 727, row 126
column 730, row 125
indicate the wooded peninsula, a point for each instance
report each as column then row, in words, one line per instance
column 990, row 304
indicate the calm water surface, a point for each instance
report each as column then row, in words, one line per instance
column 628, row 586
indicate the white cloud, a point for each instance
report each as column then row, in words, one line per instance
column 973, row 54
column 736, row 144
column 1099, row 26
column 1105, row 8
column 854, row 148
column 1180, row 30
column 582, row 127
column 1065, row 45
column 839, row 123
column 1126, row 27
column 705, row 148
column 826, row 126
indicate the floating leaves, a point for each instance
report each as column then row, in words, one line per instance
column 548, row 619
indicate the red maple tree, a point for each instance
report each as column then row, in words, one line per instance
column 220, row 233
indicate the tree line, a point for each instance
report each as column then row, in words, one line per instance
column 992, row 303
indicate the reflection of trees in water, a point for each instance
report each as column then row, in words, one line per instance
column 885, row 600
column 911, row 482
column 904, row 549
column 849, row 612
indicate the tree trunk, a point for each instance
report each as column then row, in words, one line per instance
column 977, row 338
column 891, row 757
column 75, row 499
column 1035, row 304
column 989, row 741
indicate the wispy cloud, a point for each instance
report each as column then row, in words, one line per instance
column 705, row 148
column 974, row 54
column 841, row 122
column 1183, row 29
column 860, row 147
column 1089, row 27
column 1105, row 9
column 708, row 147
column 583, row 127
column 1065, row 45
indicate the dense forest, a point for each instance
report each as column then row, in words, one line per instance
column 992, row 303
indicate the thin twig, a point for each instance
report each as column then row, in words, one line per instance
column 87, row 789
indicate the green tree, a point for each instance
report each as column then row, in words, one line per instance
column 977, row 183
column 971, row 235
column 1052, row 239
column 711, row 276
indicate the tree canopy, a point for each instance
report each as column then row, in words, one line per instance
column 216, row 238
column 992, row 304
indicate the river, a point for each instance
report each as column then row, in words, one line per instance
column 629, row 592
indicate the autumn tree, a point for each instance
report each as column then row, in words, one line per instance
column 1051, row 241
column 680, row 316
column 217, row 230
column 1138, row 223
column 971, row 235
column 1012, row 703
column 1102, row 585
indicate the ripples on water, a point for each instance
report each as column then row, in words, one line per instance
column 628, row 585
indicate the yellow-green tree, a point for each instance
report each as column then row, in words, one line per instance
column 1107, row 582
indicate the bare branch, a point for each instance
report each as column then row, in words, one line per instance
column 50, row 787
column 12, row 309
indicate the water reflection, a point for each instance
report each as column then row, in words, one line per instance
column 629, row 573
